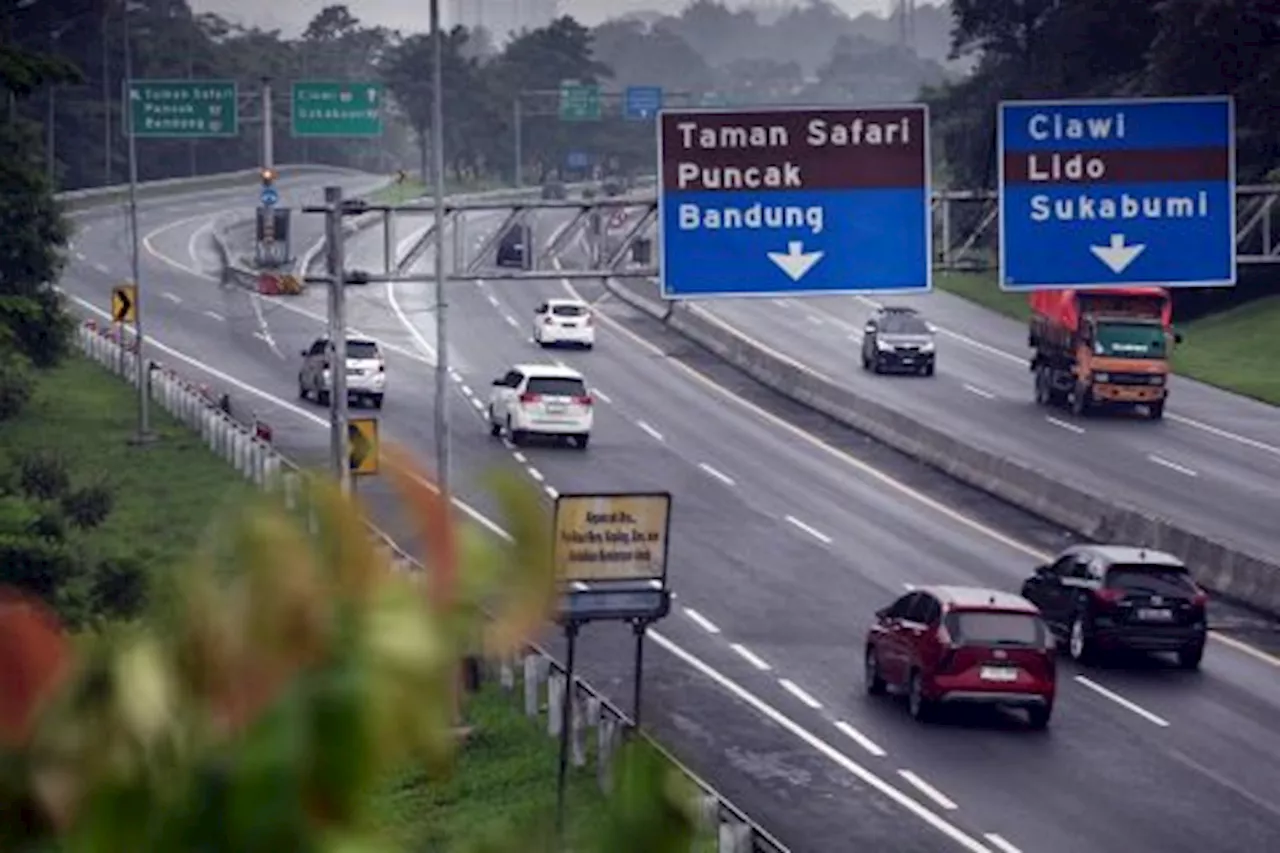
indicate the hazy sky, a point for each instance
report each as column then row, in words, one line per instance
column 411, row 15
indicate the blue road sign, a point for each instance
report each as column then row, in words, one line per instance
column 642, row 102
column 794, row 201
column 1117, row 192
column 269, row 196
column 578, row 160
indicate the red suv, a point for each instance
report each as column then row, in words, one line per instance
column 946, row 644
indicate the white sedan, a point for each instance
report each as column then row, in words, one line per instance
column 564, row 321
column 541, row 399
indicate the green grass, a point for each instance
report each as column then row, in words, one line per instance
column 164, row 494
column 1237, row 350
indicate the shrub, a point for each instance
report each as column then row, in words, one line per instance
column 119, row 588
column 17, row 383
column 42, row 567
column 44, row 475
column 89, row 505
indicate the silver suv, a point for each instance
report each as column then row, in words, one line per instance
column 366, row 372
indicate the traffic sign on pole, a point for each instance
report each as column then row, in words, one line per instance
column 337, row 109
column 579, row 102
column 124, row 303
column 578, row 160
column 362, row 437
column 1117, row 192
column 642, row 102
column 270, row 197
column 794, row 201
column 182, row 109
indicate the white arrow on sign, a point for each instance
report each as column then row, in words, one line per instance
column 795, row 262
column 1118, row 256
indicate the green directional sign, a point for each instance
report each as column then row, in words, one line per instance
column 185, row 109
column 579, row 102
column 337, row 109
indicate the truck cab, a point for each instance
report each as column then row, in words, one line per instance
column 1104, row 348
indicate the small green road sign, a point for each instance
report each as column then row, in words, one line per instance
column 337, row 109
column 579, row 102
column 185, row 109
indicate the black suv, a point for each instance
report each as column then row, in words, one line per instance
column 1111, row 597
column 514, row 247
column 898, row 339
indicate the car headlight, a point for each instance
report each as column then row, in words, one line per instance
column 927, row 346
column 883, row 346
column 1158, row 379
column 1102, row 377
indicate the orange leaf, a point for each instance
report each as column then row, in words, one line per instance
column 34, row 659
column 430, row 512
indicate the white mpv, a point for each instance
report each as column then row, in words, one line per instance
column 541, row 399
column 564, row 321
column 366, row 372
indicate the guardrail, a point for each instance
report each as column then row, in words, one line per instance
column 536, row 673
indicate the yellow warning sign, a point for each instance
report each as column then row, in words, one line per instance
column 612, row 537
column 124, row 303
column 362, row 440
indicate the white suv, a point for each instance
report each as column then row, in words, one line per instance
column 564, row 321
column 541, row 399
column 366, row 372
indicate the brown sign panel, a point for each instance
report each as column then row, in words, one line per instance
column 612, row 537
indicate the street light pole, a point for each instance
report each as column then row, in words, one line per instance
column 442, row 337
column 106, row 96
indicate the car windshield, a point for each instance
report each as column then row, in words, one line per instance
column 1130, row 340
column 995, row 628
column 1151, row 580
column 903, row 324
column 568, row 310
column 362, row 349
column 557, row 386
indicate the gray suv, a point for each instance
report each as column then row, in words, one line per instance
column 898, row 340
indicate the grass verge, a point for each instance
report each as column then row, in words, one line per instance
column 1237, row 350
column 164, row 494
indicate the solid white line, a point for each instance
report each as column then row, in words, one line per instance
column 80, row 256
column 860, row 739
column 781, row 303
column 479, row 404
column 653, row 432
column 160, row 256
column 466, row 389
column 1070, row 427
column 981, row 392
column 551, row 492
column 796, row 691
column 846, row 763
column 703, row 622
column 520, row 457
column 724, row 478
column 1173, row 466
column 1122, row 702
column 815, row 320
column 535, row 473
column 928, row 790
column 511, row 321
column 176, row 300
column 816, row 534
column 1000, row 844
column 418, row 339
column 601, row 395
column 264, row 330
column 750, row 657
column 493, row 300
column 214, row 315
column 102, row 268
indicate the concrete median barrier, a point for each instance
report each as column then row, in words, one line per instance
column 1253, row 580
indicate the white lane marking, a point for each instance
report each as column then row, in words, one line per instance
column 195, row 238
column 1122, row 702
column 264, row 331
column 860, row 739
column 466, row 389
column 535, row 473
column 724, row 478
column 816, row 534
column 418, row 339
column 176, row 300
column 838, row 757
column 763, row 708
column 603, row 396
column 493, row 300
column 653, row 432
column 750, row 657
column 981, row 392
column 857, row 339
column 80, row 256
column 520, row 457
column 1061, row 424
column 909, row 586
column 797, row 691
column 511, row 321
column 817, row 321
column 479, row 404
column 703, row 622
column 781, row 303
column 1000, row 844
column 102, row 268
column 284, row 303
column 163, row 258
column 1172, row 466
column 551, row 492
column 214, row 315
column 928, row 790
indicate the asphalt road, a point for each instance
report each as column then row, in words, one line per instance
column 785, row 539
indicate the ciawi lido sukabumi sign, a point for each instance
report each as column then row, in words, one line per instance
column 794, row 201
column 1130, row 192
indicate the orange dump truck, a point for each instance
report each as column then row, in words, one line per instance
column 1102, row 348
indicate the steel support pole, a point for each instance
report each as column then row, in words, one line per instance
column 106, row 97
column 337, row 339
column 442, row 325
column 519, row 141
column 566, row 723
column 268, row 129
column 144, row 434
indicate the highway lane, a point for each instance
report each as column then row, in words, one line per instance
column 753, row 580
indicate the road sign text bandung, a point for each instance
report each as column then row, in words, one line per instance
column 182, row 108
column 794, row 201
column 1128, row 192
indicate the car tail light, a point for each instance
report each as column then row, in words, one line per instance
column 526, row 397
column 1200, row 599
column 584, row 400
column 1109, row 595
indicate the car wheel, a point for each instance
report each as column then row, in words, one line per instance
column 1080, row 405
column 1190, row 658
column 323, row 397
column 516, row 435
column 920, row 708
column 866, row 362
column 871, row 673
column 1079, row 643
column 1038, row 716
column 877, row 366
column 302, row 390
column 495, row 428
column 928, row 370
column 377, row 401
column 583, row 440
column 1043, row 397
column 1155, row 411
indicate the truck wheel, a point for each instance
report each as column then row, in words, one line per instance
column 1080, row 401
column 1043, row 394
column 1155, row 411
